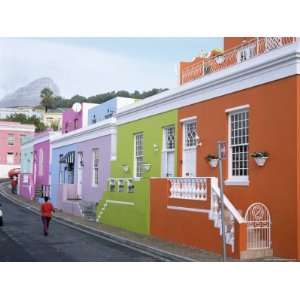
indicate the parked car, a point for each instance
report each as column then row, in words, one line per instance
column 14, row 172
column 1, row 216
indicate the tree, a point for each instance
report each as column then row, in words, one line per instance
column 47, row 98
column 23, row 119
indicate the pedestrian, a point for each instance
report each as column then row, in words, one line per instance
column 46, row 213
column 14, row 183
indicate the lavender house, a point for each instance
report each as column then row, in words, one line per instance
column 81, row 165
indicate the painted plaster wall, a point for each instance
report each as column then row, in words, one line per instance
column 55, row 195
column 273, row 112
column 136, row 217
column 102, row 109
column 89, row 192
column 26, row 159
column 26, row 168
column 42, row 178
column 69, row 117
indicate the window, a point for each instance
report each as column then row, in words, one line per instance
column 138, row 154
column 95, row 167
column 10, row 158
column 190, row 136
column 11, row 139
column 61, row 169
column 41, row 162
column 246, row 52
column 22, row 137
column 238, row 144
column 75, row 123
column 66, row 127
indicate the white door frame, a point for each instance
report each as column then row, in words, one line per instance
column 189, row 153
column 167, row 154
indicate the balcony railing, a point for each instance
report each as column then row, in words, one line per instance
column 234, row 56
column 193, row 188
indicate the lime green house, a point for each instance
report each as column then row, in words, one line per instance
column 146, row 147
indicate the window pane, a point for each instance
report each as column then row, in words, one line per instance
column 239, row 143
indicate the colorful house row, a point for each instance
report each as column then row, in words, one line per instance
column 150, row 166
column 11, row 135
column 250, row 102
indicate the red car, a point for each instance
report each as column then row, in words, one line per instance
column 14, row 172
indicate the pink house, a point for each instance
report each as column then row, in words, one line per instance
column 76, row 117
column 11, row 134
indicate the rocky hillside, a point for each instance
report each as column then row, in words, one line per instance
column 29, row 95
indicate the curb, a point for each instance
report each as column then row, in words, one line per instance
column 137, row 246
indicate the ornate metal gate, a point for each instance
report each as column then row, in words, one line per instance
column 258, row 226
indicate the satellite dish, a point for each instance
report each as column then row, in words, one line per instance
column 76, row 107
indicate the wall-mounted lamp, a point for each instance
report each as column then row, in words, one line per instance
column 81, row 159
column 155, row 147
column 198, row 142
column 125, row 168
column 147, row 167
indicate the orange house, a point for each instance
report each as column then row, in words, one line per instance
column 250, row 100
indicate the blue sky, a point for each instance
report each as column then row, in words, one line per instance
column 88, row 66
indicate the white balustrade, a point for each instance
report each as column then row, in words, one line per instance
column 190, row 188
column 231, row 57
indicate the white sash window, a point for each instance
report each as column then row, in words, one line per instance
column 238, row 145
column 138, row 154
column 95, row 167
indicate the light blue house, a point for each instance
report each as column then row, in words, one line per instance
column 107, row 109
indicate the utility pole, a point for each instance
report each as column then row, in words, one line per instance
column 221, row 156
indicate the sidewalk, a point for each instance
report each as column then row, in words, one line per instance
column 152, row 245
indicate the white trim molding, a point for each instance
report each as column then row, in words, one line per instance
column 188, row 119
column 237, row 182
column 103, row 128
column 274, row 65
column 237, row 108
column 190, row 209
column 120, row 202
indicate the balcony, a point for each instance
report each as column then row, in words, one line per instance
column 218, row 61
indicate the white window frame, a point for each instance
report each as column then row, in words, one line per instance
column 236, row 179
column 166, row 150
column 41, row 162
column 95, row 168
column 135, row 163
column 11, row 156
column 11, row 139
column 185, row 148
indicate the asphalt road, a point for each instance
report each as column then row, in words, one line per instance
column 22, row 239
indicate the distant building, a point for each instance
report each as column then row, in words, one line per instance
column 52, row 118
column 6, row 112
column 11, row 134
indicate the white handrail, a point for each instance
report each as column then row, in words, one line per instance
column 227, row 203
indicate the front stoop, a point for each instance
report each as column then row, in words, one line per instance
column 257, row 253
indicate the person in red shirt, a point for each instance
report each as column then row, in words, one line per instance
column 14, row 183
column 46, row 213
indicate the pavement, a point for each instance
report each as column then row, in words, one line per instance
column 74, row 238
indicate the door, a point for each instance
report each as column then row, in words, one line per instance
column 189, row 149
column 168, row 152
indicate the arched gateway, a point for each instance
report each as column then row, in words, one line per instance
column 258, row 226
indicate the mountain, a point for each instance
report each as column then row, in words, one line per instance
column 29, row 95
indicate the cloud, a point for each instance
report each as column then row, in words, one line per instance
column 77, row 70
